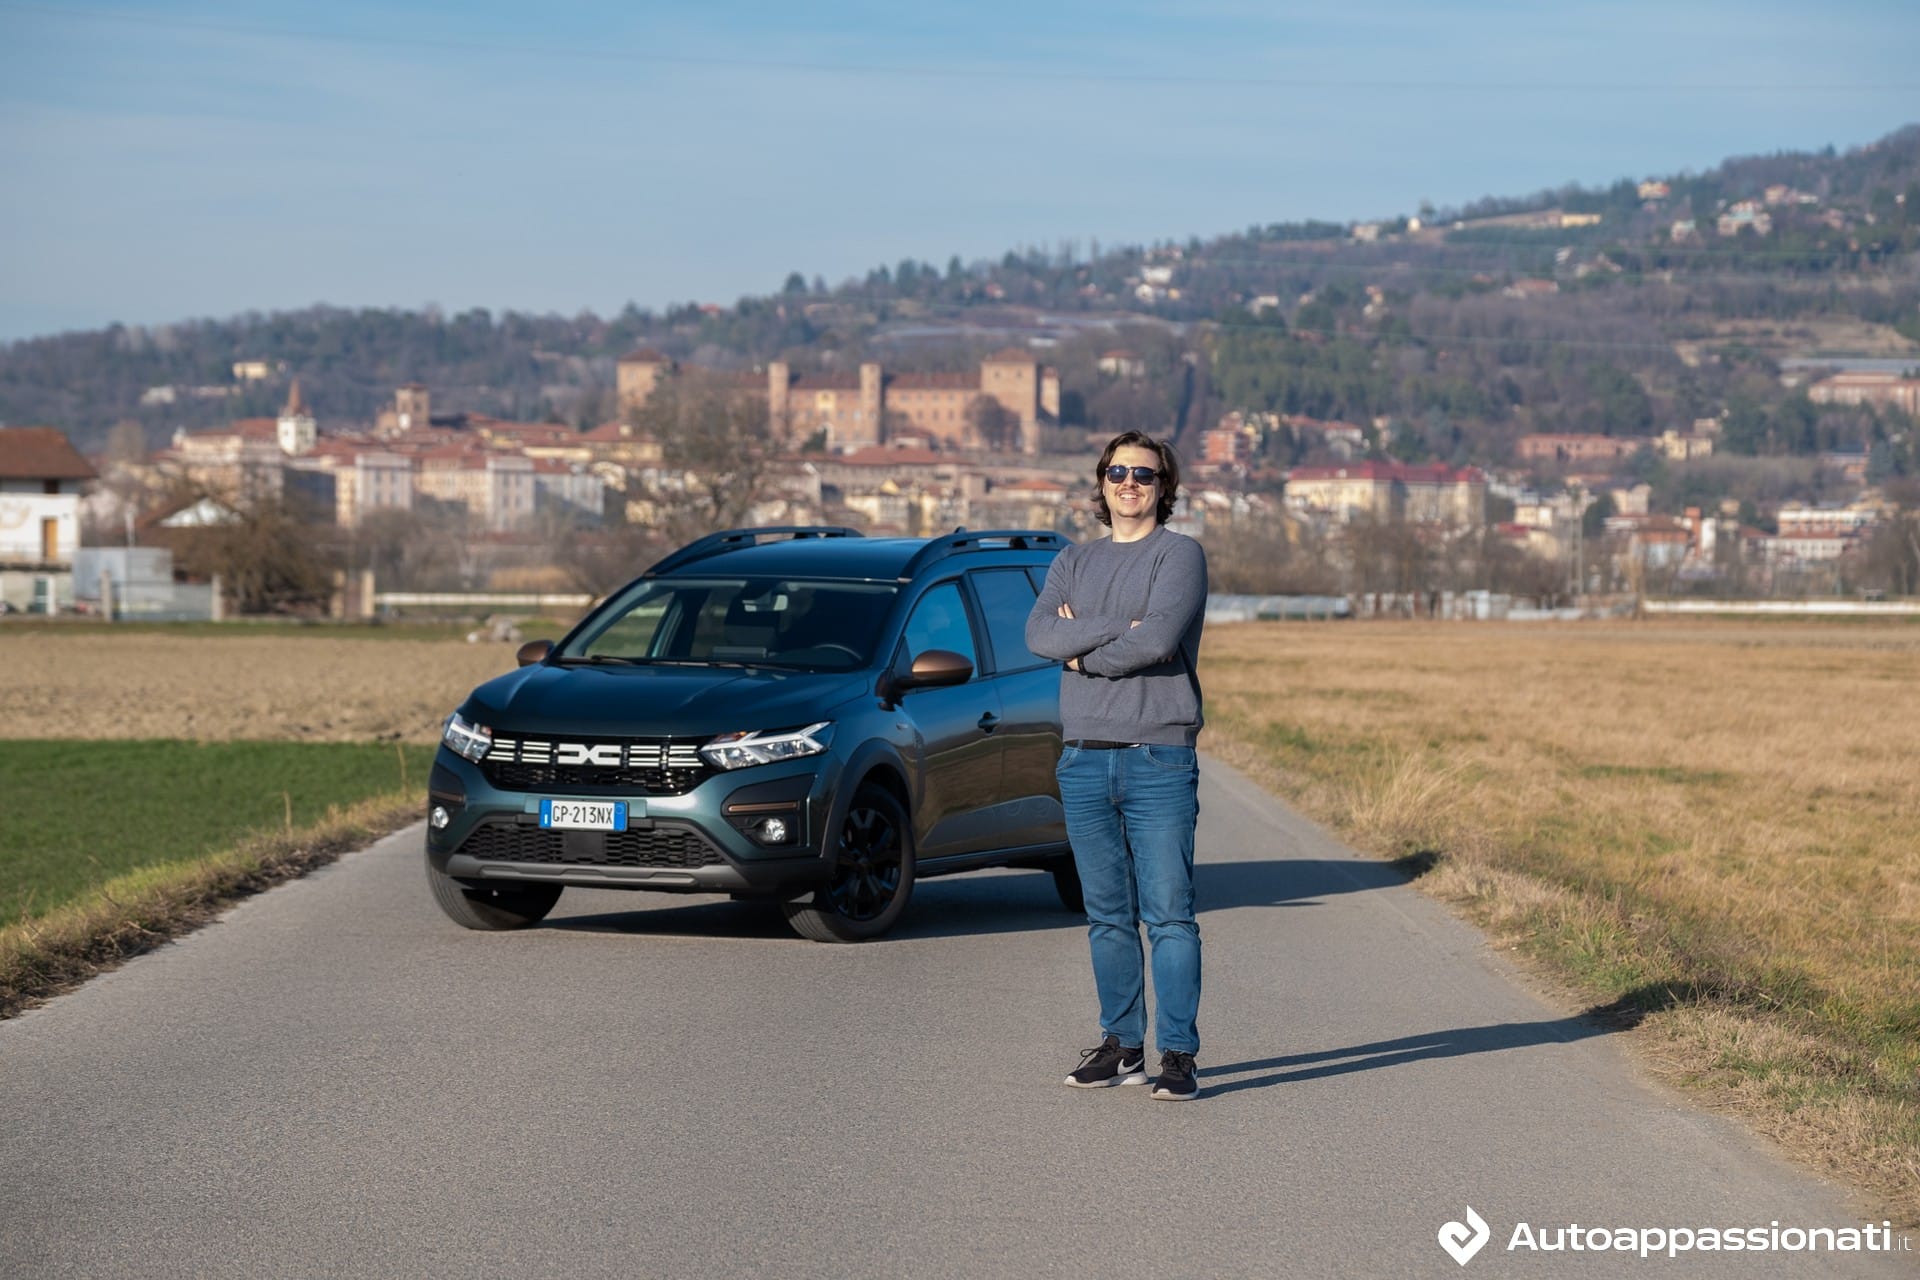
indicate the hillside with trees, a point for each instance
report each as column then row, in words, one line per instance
column 1447, row 333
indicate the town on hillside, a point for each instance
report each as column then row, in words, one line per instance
column 417, row 501
column 1702, row 385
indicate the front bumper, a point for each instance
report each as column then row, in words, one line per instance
column 703, row 841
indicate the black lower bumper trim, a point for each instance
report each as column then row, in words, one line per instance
column 659, row 845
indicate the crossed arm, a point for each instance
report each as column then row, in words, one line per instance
column 1066, row 611
column 1114, row 646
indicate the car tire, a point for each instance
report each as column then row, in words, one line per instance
column 491, row 907
column 1066, row 883
column 872, row 877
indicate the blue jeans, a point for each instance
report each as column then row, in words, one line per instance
column 1130, row 815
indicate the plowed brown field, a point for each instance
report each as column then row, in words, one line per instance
column 60, row 682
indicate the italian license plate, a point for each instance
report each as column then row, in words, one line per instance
column 584, row 815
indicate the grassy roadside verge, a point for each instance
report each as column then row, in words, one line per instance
column 1711, row 827
column 112, row 847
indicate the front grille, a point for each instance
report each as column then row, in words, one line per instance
column 647, row 766
column 662, row 845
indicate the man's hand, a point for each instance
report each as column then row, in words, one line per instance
column 1066, row 611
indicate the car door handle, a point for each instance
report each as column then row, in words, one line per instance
column 989, row 722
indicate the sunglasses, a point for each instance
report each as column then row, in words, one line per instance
column 1141, row 475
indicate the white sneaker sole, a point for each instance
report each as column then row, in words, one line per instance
column 1135, row 1076
column 1167, row 1095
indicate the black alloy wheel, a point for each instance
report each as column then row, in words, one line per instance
column 872, row 875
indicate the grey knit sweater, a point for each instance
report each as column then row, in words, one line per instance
column 1139, row 682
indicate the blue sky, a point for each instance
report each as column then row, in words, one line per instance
column 161, row 161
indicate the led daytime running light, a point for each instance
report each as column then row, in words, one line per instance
column 756, row 746
column 467, row 739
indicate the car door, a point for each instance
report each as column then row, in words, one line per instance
column 1029, row 811
column 955, row 731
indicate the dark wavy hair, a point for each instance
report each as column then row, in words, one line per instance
column 1169, row 474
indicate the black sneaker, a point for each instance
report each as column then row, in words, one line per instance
column 1176, row 1082
column 1109, row 1064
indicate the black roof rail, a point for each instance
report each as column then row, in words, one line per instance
column 734, row 539
column 960, row 540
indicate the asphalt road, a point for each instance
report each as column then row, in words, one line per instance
column 335, row 1080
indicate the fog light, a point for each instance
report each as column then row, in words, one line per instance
column 439, row 817
column 774, row 831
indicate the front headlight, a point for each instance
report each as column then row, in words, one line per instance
column 738, row 750
column 465, row 738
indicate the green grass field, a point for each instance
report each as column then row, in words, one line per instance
column 73, row 814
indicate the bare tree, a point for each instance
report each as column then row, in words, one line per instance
column 127, row 442
column 716, row 458
column 1893, row 555
column 1248, row 554
column 265, row 553
column 1390, row 557
column 994, row 425
column 716, row 466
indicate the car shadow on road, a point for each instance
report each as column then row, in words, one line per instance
column 984, row 902
column 1599, row 1020
column 703, row 917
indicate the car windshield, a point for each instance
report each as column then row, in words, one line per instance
column 797, row 623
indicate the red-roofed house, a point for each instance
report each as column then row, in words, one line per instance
column 41, row 474
column 535, row 439
column 241, row 459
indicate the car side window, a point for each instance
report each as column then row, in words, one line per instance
column 939, row 621
column 1006, row 598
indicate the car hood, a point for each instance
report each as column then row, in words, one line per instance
column 649, row 702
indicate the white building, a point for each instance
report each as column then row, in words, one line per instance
column 41, row 475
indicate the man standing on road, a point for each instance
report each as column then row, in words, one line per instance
column 1124, row 613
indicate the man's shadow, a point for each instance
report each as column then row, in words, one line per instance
column 1301, row 882
column 1598, row 1020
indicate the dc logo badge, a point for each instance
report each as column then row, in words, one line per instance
column 1463, row 1239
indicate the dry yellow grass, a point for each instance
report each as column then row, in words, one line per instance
column 1712, row 824
column 97, row 682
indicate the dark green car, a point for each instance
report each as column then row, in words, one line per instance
column 798, row 714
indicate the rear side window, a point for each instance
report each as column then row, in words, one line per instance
column 1006, row 597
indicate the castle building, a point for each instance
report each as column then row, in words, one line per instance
column 411, row 411
column 1001, row 405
